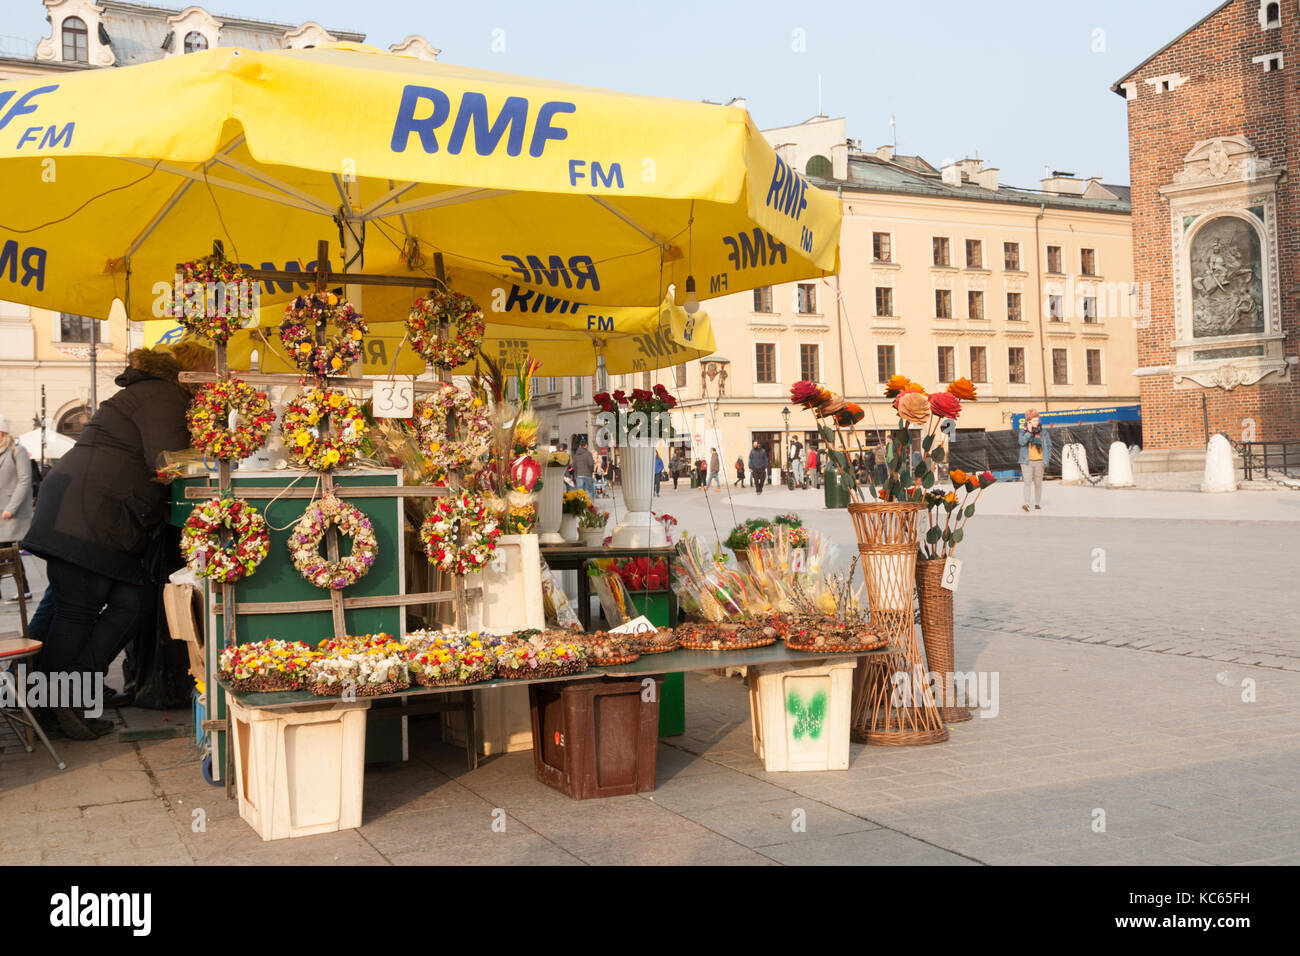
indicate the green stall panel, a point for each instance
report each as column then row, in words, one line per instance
column 276, row 579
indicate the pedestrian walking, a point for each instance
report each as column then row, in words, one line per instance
column 584, row 468
column 759, row 462
column 797, row 462
column 1035, row 451
column 740, row 471
column 100, row 516
column 15, row 494
column 715, row 470
column 700, row 473
column 659, row 472
column 678, row 467
column 811, row 463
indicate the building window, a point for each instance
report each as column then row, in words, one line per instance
column 807, row 298
column 1271, row 62
column 1270, row 16
column 679, row 372
column 979, row 363
column 1056, row 308
column 195, row 41
column 74, row 421
column 1088, row 261
column 942, row 253
column 74, row 328
column 885, row 366
column 763, row 299
column 809, row 363
column 1016, row 366
column 75, row 39
column 947, row 363
column 943, row 303
column 974, row 254
column 975, row 305
column 602, row 379
column 880, row 247
column 1015, row 311
column 575, row 386
column 1011, row 256
column 645, row 381
column 884, row 300
column 1090, row 309
column 765, row 363
column 1092, row 358
column 1060, row 367
column 1054, row 260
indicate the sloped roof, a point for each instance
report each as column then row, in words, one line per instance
column 1115, row 87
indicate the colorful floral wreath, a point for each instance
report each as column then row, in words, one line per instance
column 478, row 531
column 443, row 449
column 465, row 328
column 210, row 412
column 308, row 313
column 217, row 326
column 203, row 549
column 322, row 452
column 267, row 665
column 304, row 544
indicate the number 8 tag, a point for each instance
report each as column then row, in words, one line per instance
column 951, row 573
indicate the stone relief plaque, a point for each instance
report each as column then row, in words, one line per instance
column 1226, row 268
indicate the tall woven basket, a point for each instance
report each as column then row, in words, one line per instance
column 886, row 533
column 936, row 634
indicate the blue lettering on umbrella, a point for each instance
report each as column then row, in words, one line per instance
column 32, row 260
column 787, row 193
column 472, row 111
column 23, row 104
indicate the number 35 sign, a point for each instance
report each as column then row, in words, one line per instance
column 392, row 398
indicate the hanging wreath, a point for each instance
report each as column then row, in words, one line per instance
column 464, row 328
column 472, row 438
column 203, row 549
column 209, row 415
column 468, row 514
column 307, row 315
column 304, row 544
column 302, row 432
column 218, row 317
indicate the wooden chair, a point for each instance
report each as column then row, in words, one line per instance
column 15, row 649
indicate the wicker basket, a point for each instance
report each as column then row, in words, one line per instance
column 936, row 632
column 887, row 541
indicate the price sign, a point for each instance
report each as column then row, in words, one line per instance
column 392, row 398
column 951, row 573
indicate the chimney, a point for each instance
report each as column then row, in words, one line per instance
column 1061, row 183
column 840, row 161
column 970, row 166
column 986, row 179
column 951, row 174
column 886, row 153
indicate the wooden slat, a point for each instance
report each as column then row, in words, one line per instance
column 292, row 378
column 350, row 603
column 340, row 278
column 393, row 491
column 332, row 553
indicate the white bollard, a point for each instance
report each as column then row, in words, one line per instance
column 1120, row 470
column 1220, row 475
column 1074, row 464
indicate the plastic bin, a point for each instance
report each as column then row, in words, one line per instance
column 801, row 714
column 836, row 494
column 300, row 770
column 595, row 738
column 659, row 607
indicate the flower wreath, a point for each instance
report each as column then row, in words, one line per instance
column 322, row 452
column 203, row 549
column 308, row 313
column 478, row 529
column 210, row 411
column 221, row 324
column 442, row 449
column 304, row 544
column 465, row 328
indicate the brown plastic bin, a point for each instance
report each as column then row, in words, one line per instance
column 596, row 738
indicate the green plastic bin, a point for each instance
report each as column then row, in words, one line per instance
column 660, row 608
column 837, row 495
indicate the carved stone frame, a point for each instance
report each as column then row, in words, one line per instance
column 1225, row 177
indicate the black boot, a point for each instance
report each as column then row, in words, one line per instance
column 78, row 727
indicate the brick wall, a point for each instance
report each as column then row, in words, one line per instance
column 1225, row 95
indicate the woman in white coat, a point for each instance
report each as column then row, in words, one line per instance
column 15, row 492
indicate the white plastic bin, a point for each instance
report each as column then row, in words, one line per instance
column 300, row 770
column 801, row 714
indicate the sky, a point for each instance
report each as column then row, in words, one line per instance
column 1023, row 83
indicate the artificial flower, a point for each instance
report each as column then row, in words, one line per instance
column 962, row 388
column 896, row 385
column 958, row 476
column 913, row 407
column 945, row 405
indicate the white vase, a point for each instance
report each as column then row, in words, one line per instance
column 550, row 506
column 593, row 537
column 638, row 529
column 569, row 529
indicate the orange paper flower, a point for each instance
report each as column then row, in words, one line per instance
column 896, row 384
column 914, row 407
column 958, row 476
column 962, row 388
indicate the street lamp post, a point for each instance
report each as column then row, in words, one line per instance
column 785, row 450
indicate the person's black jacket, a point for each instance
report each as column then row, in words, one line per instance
column 758, row 460
column 99, row 507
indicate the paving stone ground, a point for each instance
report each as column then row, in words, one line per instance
column 1155, row 742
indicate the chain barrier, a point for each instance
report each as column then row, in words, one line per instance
column 1073, row 452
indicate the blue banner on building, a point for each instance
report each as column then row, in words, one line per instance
column 1083, row 416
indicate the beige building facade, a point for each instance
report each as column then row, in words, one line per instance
column 945, row 273
column 45, row 357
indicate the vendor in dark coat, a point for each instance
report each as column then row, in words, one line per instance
column 98, row 510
